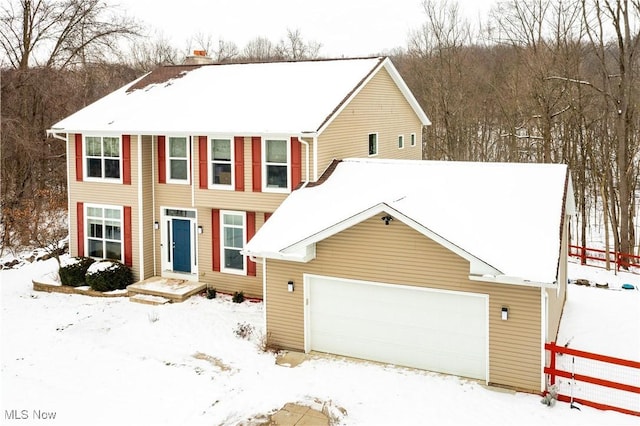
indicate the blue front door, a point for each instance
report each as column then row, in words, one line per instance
column 181, row 230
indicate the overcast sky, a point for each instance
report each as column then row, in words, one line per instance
column 343, row 27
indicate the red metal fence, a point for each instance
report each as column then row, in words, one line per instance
column 599, row 381
column 597, row 256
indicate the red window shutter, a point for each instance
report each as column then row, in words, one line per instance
column 126, row 159
column 162, row 160
column 267, row 216
column 251, row 231
column 128, row 240
column 79, row 173
column 215, row 249
column 202, row 161
column 296, row 163
column 238, row 146
column 80, row 224
column 256, row 158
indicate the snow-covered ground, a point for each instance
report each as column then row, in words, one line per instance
column 109, row 361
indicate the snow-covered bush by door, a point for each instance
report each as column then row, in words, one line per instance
column 108, row 275
column 73, row 271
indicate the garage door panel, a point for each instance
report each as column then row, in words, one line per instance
column 424, row 328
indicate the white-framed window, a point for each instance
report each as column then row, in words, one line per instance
column 276, row 155
column 221, row 158
column 178, row 160
column 233, row 235
column 103, row 158
column 413, row 139
column 104, row 234
column 373, row 144
column 400, row 141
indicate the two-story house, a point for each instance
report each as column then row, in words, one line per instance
column 173, row 173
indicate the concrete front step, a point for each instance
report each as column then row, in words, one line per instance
column 175, row 290
column 149, row 299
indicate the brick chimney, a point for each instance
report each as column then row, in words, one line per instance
column 199, row 57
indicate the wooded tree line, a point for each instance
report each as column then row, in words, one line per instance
column 536, row 81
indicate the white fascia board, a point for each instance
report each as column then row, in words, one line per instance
column 476, row 265
column 397, row 78
column 507, row 279
column 303, row 255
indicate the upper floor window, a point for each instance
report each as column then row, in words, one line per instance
column 413, row 139
column 232, row 241
column 103, row 158
column 276, row 165
column 400, row 141
column 373, row 144
column 104, row 232
column 221, row 157
column 178, row 160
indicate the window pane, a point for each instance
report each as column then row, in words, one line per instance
column 222, row 174
column 94, row 211
column 94, row 146
column 178, row 147
column 276, row 176
column 95, row 228
column 94, row 167
column 114, row 250
column 112, row 231
column 111, row 213
column 95, row 248
column 233, row 219
column 276, row 151
column 179, row 169
column 112, row 169
column 233, row 259
column 373, row 144
column 221, row 149
column 400, row 141
column 111, row 147
column 233, row 237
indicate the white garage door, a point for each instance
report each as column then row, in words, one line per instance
column 423, row 328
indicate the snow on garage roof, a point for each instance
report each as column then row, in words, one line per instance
column 254, row 98
column 503, row 217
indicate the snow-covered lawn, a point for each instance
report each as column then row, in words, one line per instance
column 109, row 361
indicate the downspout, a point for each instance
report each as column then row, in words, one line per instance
column 56, row 135
column 154, row 141
column 307, row 159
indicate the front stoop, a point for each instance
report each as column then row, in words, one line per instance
column 148, row 299
column 172, row 289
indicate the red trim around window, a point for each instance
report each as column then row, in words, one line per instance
column 296, row 163
column 80, row 223
column 215, row 243
column 162, row 160
column 202, row 162
column 251, row 231
column 126, row 159
column 256, row 163
column 238, row 146
column 78, row 142
column 128, row 239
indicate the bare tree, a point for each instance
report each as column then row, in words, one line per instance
column 295, row 48
column 148, row 54
column 260, row 49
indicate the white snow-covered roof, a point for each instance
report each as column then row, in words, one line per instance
column 259, row 98
column 503, row 217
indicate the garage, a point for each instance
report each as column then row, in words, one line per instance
column 436, row 330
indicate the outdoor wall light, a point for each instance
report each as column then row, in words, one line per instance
column 290, row 286
column 156, row 225
column 200, row 230
column 386, row 219
column 505, row 313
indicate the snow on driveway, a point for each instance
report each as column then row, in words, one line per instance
column 109, row 361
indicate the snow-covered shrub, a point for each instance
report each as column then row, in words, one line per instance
column 108, row 275
column 73, row 271
column 211, row 293
column 244, row 330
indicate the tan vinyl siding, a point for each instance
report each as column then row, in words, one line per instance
column 224, row 282
column 147, row 206
column 379, row 108
column 397, row 254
